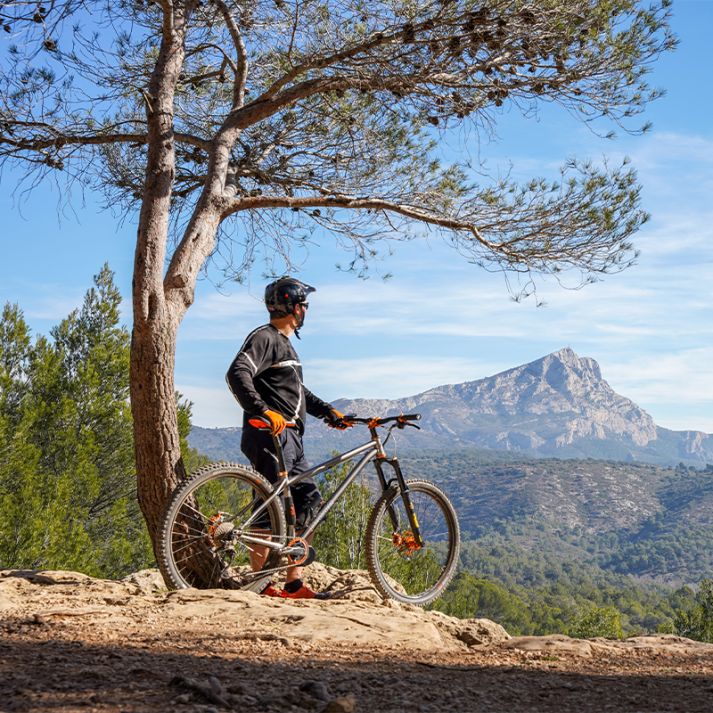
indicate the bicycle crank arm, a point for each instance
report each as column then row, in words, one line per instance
column 299, row 556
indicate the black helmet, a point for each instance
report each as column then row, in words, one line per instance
column 282, row 295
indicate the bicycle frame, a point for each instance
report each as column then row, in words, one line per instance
column 372, row 450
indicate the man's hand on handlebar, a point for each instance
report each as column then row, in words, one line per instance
column 336, row 419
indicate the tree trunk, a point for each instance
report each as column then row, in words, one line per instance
column 153, row 340
column 153, row 404
column 160, row 302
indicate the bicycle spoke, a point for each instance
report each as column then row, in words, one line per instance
column 186, row 527
column 188, row 506
column 190, row 544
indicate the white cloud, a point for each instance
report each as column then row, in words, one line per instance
column 682, row 378
column 213, row 407
column 227, row 306
column 394, row 376
column 664, row 148
column 53, row 309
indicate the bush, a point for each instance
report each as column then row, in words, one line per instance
column 697, row 623
column 598, row 621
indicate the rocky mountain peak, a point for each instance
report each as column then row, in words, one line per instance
column 555, row 402
column 562, row 381
column 561, row 367
column 557, row 405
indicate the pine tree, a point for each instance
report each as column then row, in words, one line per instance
column 67, row 480
column 19, row 458
column 697, row 622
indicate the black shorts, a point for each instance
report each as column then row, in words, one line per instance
column 258, row 447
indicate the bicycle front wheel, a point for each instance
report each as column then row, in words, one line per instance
column 209, row 523
column 399, row 566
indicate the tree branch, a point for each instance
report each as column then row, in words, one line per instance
column 353, row 203
column 59, row 140
column 378, row 39
column 217, row 48
column 241, row 72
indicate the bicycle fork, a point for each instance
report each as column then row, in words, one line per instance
column 405, row 494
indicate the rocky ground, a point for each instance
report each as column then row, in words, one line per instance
column 72, row 643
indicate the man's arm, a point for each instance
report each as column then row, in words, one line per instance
column 315, row 406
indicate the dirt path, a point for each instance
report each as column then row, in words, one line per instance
column 70, row 643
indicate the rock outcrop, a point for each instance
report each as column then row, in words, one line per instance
column 73, row 643
column 355, row 616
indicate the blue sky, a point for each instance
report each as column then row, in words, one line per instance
column 439, row 320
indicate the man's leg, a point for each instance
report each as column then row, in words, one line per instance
column 307, row 499
column 258, row 448
column 258, row 553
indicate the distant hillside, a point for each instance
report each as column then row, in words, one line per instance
column 558, row 405
column 641, row 520
column 529, row 522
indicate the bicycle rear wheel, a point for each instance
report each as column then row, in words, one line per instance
column 399, row 567
column 203, row 539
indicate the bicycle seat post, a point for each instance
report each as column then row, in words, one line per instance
column 281, row 468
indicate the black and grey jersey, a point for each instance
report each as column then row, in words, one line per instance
column 266, row 374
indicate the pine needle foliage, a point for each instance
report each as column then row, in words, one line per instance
column 67, row 476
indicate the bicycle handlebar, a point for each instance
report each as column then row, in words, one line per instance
column 374, row 422
column 402, row 419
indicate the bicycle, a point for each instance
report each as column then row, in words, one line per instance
column 221, row 513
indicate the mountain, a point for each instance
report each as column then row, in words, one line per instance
column 559, row 405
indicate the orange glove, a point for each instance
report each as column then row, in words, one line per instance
column 278, row 422
column 336, row 420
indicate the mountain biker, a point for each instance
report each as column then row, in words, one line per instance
column 266, row 379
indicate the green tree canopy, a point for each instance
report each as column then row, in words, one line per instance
column 67, row 479
column 598, row 621
column 697, row 622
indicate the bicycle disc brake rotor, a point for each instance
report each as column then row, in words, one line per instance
column 405, row 543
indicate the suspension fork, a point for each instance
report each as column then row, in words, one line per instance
column 402, row 486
